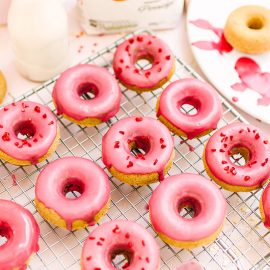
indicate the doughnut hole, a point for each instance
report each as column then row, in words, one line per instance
column 139, row 146
column 24, row 130
column 189, row 207
column 144, row 62
column 73, row 188
column 121, row 258
column 190, row 106
column 240, row 155
column 255, row 23
column 5, row 233
column 87, row 91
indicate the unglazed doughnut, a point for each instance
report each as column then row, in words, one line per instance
column 129, row 134
column 120, row 236
column 72, row 174
column 192, row 265
column 80, row 80
column 191, row 190
column 143, row 47
column 20, row 229
column 194, row 92
column 3, row 87
column 247, row 29
column 31, row 119
column 246, row 140
column 265, row 207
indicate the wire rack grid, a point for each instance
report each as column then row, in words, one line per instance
column 244, row 242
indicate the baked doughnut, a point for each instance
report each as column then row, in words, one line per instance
column 72, row 174
column 187, row 190
column 247, row 29
column 29, row 133
column 244, row 139
column 150, row 163
column 193, row 92
column 78, row 82
column 124, row 237
column 3, row 87
column 143, row 47
column 21, row 230
column 265, row 207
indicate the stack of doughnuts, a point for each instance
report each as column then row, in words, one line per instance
column 137, row 150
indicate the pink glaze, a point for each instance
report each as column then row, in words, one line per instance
column 120, row 235
column 22, row 116
column 80, row 79
column 138, row 47
column 252, row 77
column 187, row 189
column 149, row 134
column 192, row 265
column 73, row 174
column 221, row 45
column 218, row 151
column 20, row 228
column 266, row 205
column 196, row 93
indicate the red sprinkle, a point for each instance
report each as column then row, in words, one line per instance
column 6, row 137
column 155, row 162
column 265, row 142
column 226, row 168
column 119, row 70
column 35, row 140
column 161, row 140
column 116, row 229
column 168, row 57
column 147, row 260
column 149, row 42
column 127, row 157
column 147, row 74
column 257, row 136
column 163, row 146
column 222, row 150
column 213, row 150
column 127, row 67
column 121, row 132
column 139, row 38
column 225, row 145
column 116, row 144
column 159, row 70
column 248, row 129
column 127, row 235
column 37, row 109
column 102, row 239
column 222, row 134
column 131, row 40
column 5, row 109
column 130, row 245
column 99, row 243
column 126, row 265
column 247, row 178
column 143, row 243
column 138, row 119
column 1, row 126
column 231, row 137
column 224, row 162
column 44, row 115
column 16, row 143
column 130, row 164
column 241, row 131
column 97, row 268
column 127, row 48
column 89, row 258
column 136, row 70
column 91, row 238
column 159, row 50
column 51, row 123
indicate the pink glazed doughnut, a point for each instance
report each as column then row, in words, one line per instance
column 34, row 121
column 201, row 96
column 120, row 236
column 72, row 174
column 244, row 139
column 21, row 230
column 143, row 47
column 187, row 190
column 80, row 80
column 192, row 265
column 265, row 207
column 132, row 133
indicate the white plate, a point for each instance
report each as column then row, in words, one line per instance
column 252, row 94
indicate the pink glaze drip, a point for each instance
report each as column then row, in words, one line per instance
column 76, row 81
column 196, row 93
column 91, row 179
column 20, row 228
column 222, row 46
column 120, row 235
column 143, row 46
column 116, row 152
column 44, row 135
column 266, row 205
column 208, row 202
column 192, row 265
column 254, row 78
column 219, row 146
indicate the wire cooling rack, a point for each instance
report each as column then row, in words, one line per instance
column 244, row 242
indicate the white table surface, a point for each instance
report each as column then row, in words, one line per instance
column 176, row 38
